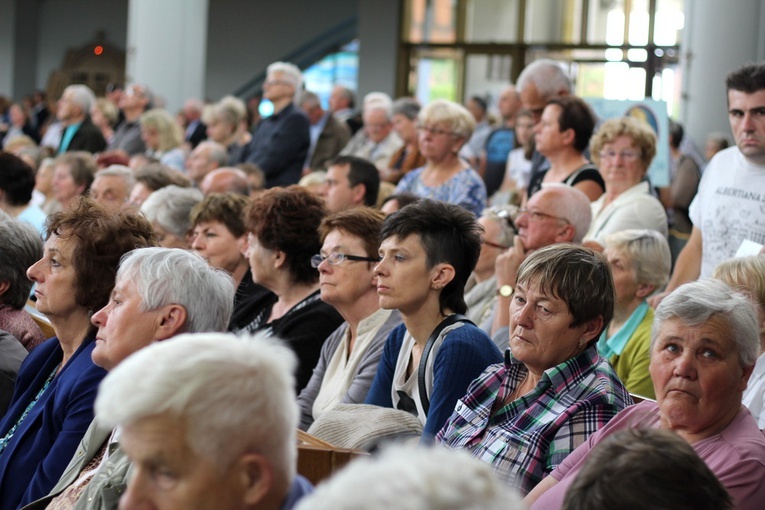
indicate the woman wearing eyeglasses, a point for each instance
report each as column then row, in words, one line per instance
column 283, row 235
column 623, row 149
column 444, row 127
column 350, row 355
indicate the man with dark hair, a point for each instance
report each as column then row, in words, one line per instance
column 727, row 209
column 351, row 182
column 17, row 180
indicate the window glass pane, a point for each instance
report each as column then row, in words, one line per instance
column 553, row 21
column 339, row 68
column 431, row 21
column 486, row 76
column 605, row 23
column 639, row 22
column 435, row 75
column 491, row 21
column 670, row 21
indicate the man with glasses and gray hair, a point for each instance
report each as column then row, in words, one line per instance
column 280, row 142
column 133, row 102
column 78, row 131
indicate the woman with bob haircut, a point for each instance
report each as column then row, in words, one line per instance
column 640, row 262
column 553, row 390
column 163, row 138
column 428, row 251
column 623, row 149
column 52, row 406
column 444, row 127
column 704, row 345
column 283, row 236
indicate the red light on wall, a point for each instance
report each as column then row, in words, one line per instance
column 98, row 49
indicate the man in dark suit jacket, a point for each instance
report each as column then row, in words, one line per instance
column 328, row 135
column 78, row 131
column 196, row 130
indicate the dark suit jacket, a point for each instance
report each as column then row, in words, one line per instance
column 198, row 134
column 87, row 138
column 46, row 440
column 331, row 141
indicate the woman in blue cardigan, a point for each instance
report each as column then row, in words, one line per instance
column 52, row 404
column 428, row 250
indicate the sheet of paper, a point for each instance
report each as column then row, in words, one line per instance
column 748, row 248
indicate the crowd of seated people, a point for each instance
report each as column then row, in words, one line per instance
column 509, row 340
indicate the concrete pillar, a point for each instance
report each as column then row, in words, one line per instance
column 167, row 48
column 718, row 38
column 378, row 46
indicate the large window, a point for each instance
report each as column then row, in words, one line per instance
column 616, row 49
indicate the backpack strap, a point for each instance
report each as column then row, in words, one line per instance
column 448, row 321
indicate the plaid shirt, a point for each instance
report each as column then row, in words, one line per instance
column 527, row 438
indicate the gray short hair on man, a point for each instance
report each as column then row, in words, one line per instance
column 236, row 394
column 378, row 101
column 697, row 302
column 407, row 477
column 170, row 208
column 500, row 215
column 291, row 73
column 647, row 251
column 166, row 276
column 310, row 99
column 215, row 152
column 409, row 107
column 21, row 247
column 82, row 96
column 121, row 171
column 572, row 204
column 548, row 76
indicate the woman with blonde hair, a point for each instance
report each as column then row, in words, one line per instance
column 747, row 275
column 443, row 128
column 623, row 149
column 163, row 138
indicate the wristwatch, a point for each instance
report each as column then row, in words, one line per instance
column 505, row 291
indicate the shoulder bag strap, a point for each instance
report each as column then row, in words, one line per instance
column 448, row 321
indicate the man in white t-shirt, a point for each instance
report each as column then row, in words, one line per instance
column 730, row 204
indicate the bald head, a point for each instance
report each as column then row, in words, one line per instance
column 225, row 180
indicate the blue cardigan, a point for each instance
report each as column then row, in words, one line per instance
column 464, row 355
column 46, row 440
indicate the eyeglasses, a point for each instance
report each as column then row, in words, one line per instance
column 494, row 245
column 501, row 212
column 336, row 258
column 435, row 131
column 625, row 155
column 539, row 216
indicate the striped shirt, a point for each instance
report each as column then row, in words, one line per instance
column 527, row 438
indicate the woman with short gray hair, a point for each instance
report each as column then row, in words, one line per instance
column 168, row 209
column 640, row 263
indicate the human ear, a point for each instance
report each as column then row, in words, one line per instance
column 172, row 320
column 644, row 290
column 257, row 479
column 592, row 328
column 443, row 274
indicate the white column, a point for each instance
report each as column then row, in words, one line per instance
column 167, row 48
column 718, row 38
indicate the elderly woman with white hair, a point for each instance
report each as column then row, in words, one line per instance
column 704, row 344
column 640, row 263
column 169, row 209
column 444, row 128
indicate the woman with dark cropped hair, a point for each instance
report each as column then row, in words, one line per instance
column 427, row 253
column 283, row 225
column 52, row 406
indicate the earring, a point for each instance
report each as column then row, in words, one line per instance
column 582, row 343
